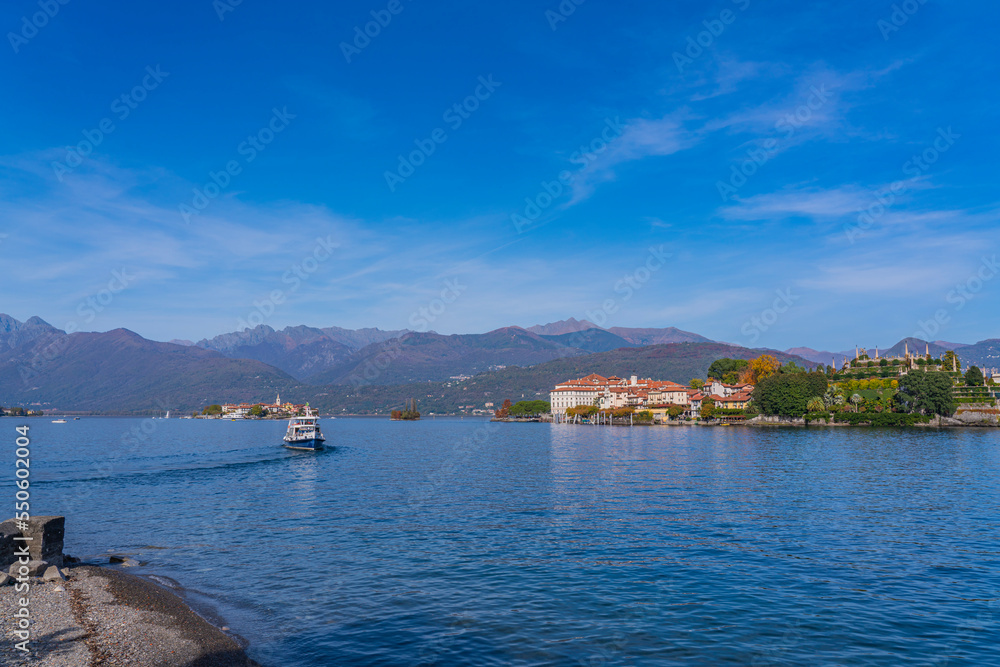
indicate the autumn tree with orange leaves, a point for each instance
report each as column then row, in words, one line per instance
column 763, row 366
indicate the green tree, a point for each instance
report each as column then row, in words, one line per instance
column 721, row 368
column 974, row 377
column 643, row 417
column 675, row 411
column 530, row 408
column 707, row 408
column 791, row 367
column 950, row 361
column 213, row 409
column 929, row 393
column 697, row 384
column 815, row 404
column 258, row 412
column 788, row 394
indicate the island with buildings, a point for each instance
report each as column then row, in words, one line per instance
column 904, row 390
column 276, row 410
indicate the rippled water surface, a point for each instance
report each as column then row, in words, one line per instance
column 465, row 542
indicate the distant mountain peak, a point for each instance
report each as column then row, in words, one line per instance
column 572, row 325
column 14, row 332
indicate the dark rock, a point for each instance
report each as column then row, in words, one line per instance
column 46, row 543
column 8, row 531
column 114, row 560
column 35, row 568
column 48, row 533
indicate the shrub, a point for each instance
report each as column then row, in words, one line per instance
column 530, row 408
column 881, row 418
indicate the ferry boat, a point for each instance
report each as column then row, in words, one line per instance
column 304, row 433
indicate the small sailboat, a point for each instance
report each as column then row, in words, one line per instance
column 58, row 421
column 304, row 433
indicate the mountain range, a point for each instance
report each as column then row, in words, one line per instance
column 334, row 355
column 358, row 370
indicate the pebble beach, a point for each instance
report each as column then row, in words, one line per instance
column 104, row 617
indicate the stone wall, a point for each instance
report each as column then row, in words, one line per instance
column 978, row 414
column 46, row 543
column 771, row 420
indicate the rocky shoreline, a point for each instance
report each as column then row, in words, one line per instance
column 87, row 616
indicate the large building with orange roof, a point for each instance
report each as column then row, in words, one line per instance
column 610, row 393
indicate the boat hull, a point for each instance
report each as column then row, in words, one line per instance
column 312, row 445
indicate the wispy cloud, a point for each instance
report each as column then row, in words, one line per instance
column 640, row 138
column 794, row 202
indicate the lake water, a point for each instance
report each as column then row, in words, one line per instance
column 463, row 542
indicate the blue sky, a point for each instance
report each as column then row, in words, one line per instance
column 609, row 125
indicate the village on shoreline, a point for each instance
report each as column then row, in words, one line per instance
column 909, row 390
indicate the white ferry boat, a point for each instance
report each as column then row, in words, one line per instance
column 304, row 433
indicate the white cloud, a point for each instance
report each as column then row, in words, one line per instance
column 640, row 138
